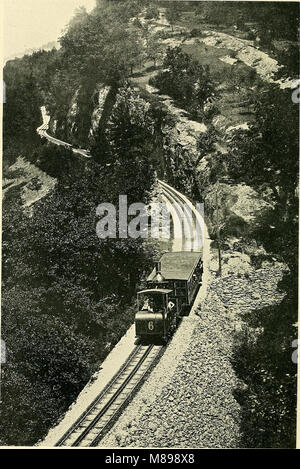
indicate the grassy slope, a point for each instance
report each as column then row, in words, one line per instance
column 228, row 78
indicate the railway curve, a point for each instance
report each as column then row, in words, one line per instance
column 100, row 415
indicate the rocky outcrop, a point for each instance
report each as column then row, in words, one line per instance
column 185, row 131
column 101, row 94
column 265, row 66
column 179, row 145
column 241, row 200
column 72, row 114
column 33, row 183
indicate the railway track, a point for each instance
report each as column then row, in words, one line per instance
column 194, row 221
column 99, row 416
column 93, row 423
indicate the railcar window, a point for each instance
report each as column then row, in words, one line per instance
column 179, row 284
column 151, row 303
column 180, row 291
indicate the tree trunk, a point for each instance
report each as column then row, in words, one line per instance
column 220, row 259
column 285, row 207
column 218, row 236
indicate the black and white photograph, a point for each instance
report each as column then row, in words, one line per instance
column 149, row 253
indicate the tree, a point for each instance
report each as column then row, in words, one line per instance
column 222, row 222
column 80, row 16
column 21, row 112
column 268, row 152
column 266, row 158
column 53, row 160
column 154, row 49
column 289, row 60
column 128, row 141
column 102, row 46
column 48, row 364
column 61, row 308
column 152, row 12
column 173, row 13
column 133, row 52
column 187, row 81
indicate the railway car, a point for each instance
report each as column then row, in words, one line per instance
column 171, row 288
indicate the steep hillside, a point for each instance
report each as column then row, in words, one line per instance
column 200, row 97
column 216, row 148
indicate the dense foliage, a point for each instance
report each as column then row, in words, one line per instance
column 276, row 20
column 67, row 295
column 267, row 154
column 187, row 81
column 173, row 12
column 266, row 158
column 21, row 114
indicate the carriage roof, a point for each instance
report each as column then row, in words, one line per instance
column 177, row 265
column 156, row 290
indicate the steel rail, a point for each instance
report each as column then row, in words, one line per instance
column 130, row 379
column 173, row 196
column 125, row 401
column 98, row 398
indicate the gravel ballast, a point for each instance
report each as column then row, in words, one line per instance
column 187, row 401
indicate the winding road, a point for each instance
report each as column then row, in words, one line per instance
column 42, row 131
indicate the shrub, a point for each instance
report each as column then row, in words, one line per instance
column 152, row 13
column 195, row 32
column 187, row 81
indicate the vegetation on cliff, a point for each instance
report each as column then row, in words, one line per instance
column 68, row 296
column 266, row 158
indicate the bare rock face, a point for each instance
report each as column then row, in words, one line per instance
column 264, row 65
column 239, row 204
column 248, row 204
column 220, row 122
column 97, row 113
column 72, row 113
